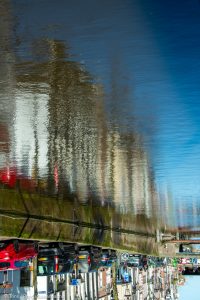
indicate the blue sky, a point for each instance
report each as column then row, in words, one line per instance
column 190, row 289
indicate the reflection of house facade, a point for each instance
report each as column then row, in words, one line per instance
column 132, row 189
column 104, row 283
column 130, row 283
column 62, row 134
column 17, row 284
column 31, row 135
column 93, row 285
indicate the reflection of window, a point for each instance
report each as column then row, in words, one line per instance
column 100, row 280
column 42, row 270
column 50, row 285
column 21, row 264
column 4, row 265
column 61, row 284
column 60, row 267
column 25, row 278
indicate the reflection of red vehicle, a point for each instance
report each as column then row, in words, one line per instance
column 184, row 261
column 16, row 254
column 8, row 176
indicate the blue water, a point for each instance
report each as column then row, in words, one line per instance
column 145, row 57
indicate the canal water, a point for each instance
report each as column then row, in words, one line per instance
column 99, row 119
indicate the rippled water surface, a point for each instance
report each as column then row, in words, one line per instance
column 99, row 106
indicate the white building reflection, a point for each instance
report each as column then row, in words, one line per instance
column 31, row 134
column 63, row 138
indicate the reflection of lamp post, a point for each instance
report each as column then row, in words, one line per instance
column 127, row 295
column 77, row 297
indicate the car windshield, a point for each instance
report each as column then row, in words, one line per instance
column 83, row 266
column 45, row 269
column 21, row 264
column 4, row 265
column 64, row 268
column 48, row 269
column 134, row 260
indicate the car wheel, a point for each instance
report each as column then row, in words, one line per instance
column 16, row 245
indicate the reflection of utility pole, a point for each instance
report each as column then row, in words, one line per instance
column 34, row 275
column 76, row 296
column 115, row 269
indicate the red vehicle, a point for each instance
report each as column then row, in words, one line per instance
column 184, row 261
column 16, row 254
column 8, row 176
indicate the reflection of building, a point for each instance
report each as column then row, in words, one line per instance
column 124, row 177
column 124, row 291
column 7, row 83
column 130, row 174
column 93, row 285
column 104, row 283
column 153, row 283
column 16, row 284
column 31, row 133
column 131, row 283
column 61, row 130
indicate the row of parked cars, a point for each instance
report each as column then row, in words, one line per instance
column 134, row 260
column 54, row 257
column 142, row 261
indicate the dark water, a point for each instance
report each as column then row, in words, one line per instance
column 99, row 106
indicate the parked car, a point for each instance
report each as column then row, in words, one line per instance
column 112, row 253
column 184, row 261
column 8, row 176
column 151, row 261
column 55, row 258
column 89, row 258
column 135, row 260
column 108, row 257
column 16, row 254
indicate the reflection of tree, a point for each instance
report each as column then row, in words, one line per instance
column 72, row 120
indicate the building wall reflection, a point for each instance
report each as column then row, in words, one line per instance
column 66, row 145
